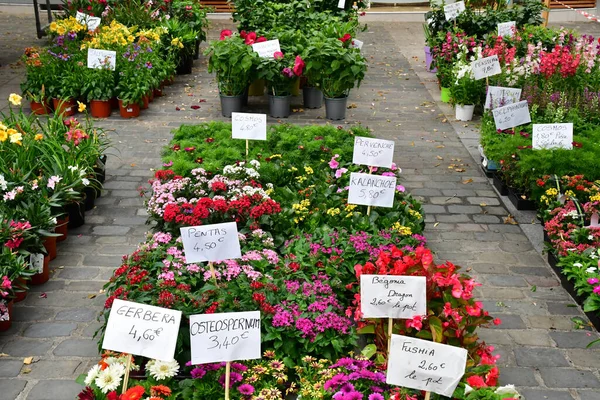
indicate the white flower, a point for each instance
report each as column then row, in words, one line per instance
column 593, row 256
column 72, row 168
column 255, row 164
column 162, row 370
column 468, row 389
column 110, row 379
column 3, row 183
column 591, row 237
column 85, row 181
column 54, row 220
column 578, row 265
column 92, row 375
column 508, row 389
column 591, row 270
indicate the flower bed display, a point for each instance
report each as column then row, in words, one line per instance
column 303, row 251
column 50, row 172
column 152, row 42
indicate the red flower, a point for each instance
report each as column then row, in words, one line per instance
column 277, row 55
column 112, row 396
column 261, row 39
column 134, row 393
column 225, row 33
column 577, row 144
column 298, row 66
column 345, row 38
column 416, row 322
column 250, row 38
column 476, row 382
column 243, row 34
column 497, row 321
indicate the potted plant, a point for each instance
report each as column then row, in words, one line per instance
column 181, row 41
column 12, row 267
column 132, row 86
column 466, row 92
column 99, row 88
column 193, row 14
column 233, row 62
column 342, row 69
column 311, row 92
column 429, row 42
column 33, row 87
column 280, row 72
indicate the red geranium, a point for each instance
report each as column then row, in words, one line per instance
column 225, row 33
column 299, row 66
column 277, row 55
column 345, row 38
column 250, row 38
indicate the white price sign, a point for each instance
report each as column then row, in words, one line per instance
column 424, row 365
column 372, row 190
column 92, row 22
column 101, row 58
column 267, row 49
column 512, row 115
column 356, row 44
column 390, row 296
column 373, row 152
column 485, row 67
column 142, row 330
column 249, row 126
column 454, row 10
column 211, row 242
column 225, row 337
column 498, row 96
column 507, row 29
column 553, row 136
column 341, row 3
column 37, row 262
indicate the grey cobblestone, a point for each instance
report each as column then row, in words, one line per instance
column 566, row 377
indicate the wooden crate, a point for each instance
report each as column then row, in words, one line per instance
column 220, row 6
column 577, row 4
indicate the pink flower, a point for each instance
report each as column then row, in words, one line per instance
column 597, row 289
column 250, row 38
column 277, row 55
column 592, row 281
column 400, row 188
column 261, row 39
column 6, row 283
column 298, row 66
column 416, row 322
column 225, row 33
column 333, row 164
column 339, row 173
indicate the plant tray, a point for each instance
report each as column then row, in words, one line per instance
column 520, row 203
column 488, row 172
column 570, row 288
column 499, row 184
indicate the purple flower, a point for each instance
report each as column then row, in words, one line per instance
column 376, row 396
column 287, row 72
column 148, row 65
column 246, row 389
column 400, row 188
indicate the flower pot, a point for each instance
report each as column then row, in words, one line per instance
column 313, row 97
column 150, row 96
column 245, row 99
column 279, row 106
column 100, row 108
column 445, row 95
column 20, row 286
column 429, row 60
column 50, row 246
column 90, row 198
column 335, row 109
column 464, row 112
column 145, row 102
column 8, row 305
column 158, row 92
column 100, row 171
column 197, row 50
column 500, row 184
column 61, row 228
column 257, row 88
column 296, row 88
column 130, row 110
column 114, row 103
column 76, row 212
column 42, row 108
column 185, row 65
column 44, row 275
column 66, row 108
column 231, row 104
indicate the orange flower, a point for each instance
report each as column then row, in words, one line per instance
column 135, row 393
column 160, row 390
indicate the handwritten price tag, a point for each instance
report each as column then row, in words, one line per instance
column 356, row 44
column 553, row 136
column 249, row 126
column 507, row 29
column 373, row 152
column 37, row 262
column 388, row 296
column 423, row 365
column 211, row 242
column 451, row 11
column 225, row 337
column 92, row 22
column 101, row 58
column 267, row 49
column 372, row 190
column 484, row 67
column 341, row 3
column 142, row 330
column 512, row 115
column 498, row 96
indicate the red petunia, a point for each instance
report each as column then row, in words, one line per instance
column 345, row 38
column 250, row 38
column 225, row 33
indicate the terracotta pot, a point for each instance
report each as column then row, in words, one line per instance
column 50, row 246
column 21, row 290
column 66, row 108
column 100, row 108
column 114, row 103
column 5, row 325
column 145, row 102
column 39, row 108
column 61, row 228
column 43, row 276
column 158, row 92
column 130, row 110
column 151, row 96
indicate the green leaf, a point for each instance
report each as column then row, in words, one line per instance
column 435, row 325
column 369, row 351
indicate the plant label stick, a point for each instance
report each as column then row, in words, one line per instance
column 227, row 379
column 512, row 115
column 498, row 96
column 486, row 67
column 552, row 136
column 506, row 29
column 451, row 11
column 126, row 377
column 369, row 207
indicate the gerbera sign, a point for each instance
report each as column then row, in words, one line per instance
column 424, row 365
column 142, row 330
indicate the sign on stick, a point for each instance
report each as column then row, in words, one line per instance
column 390, row 296
column 92, row 22
column 267, row 49
column 372, row 190
column 211, row 242
column 506, row 29
column 373, row 152
column 553, row 136
column 512, row 115
column 485, row 67
column 498, row 96
column 454, row 10
column 249, row 126
column 101, row 58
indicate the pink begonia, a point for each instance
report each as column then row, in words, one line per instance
column 333, row 163
column 400, row 188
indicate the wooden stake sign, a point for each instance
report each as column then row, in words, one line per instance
column 211, row 242
column 248, row 126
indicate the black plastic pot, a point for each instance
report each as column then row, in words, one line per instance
column 185, row 65
column 197, row 51
column 231, row 104
column 519, row 202
column 100, row 169
column 499, row 184
column 335, row 108
column 90, row 197
column 76, row 212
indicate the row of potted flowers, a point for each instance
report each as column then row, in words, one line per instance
column 303, row 251
column 51, row 172
column 145, row 59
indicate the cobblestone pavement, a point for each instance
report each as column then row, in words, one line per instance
column 541, row 350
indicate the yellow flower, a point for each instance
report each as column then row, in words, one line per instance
column 401, row 229
column 595, row 197
column 38, row 137
column 15, row 99
column 3, row 135
column 15, row 137
column 53, row 26
column 414, row 213
column 333, row 211
column 81, row 107
column 61, row 30
column 2, row 127
column 308, row 170
column 130, row 38
column 552, row 192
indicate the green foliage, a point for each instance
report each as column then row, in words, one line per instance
column 468, row 91
column 98, row 84
column 234, row 62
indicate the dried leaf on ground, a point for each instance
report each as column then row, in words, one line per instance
column 27, row 360
column 91, row 296
column 4, row 355
column 466, row 181
column 509, row 220
column 26, row 370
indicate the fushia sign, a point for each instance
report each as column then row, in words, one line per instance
column 424, row 365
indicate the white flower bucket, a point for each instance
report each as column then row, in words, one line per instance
column 464, row 112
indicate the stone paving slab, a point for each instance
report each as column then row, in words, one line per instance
column 541, row 350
